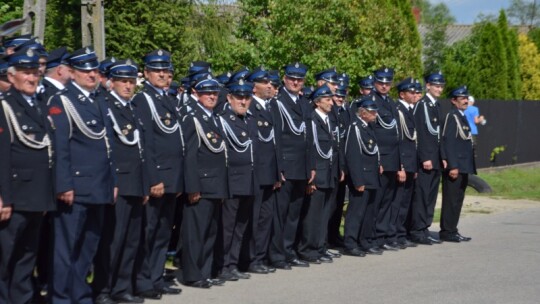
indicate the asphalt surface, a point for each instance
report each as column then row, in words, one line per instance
column 500, row 265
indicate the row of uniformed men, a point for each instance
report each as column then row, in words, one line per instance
column 262, row 154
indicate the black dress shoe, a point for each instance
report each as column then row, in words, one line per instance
column 104, row 299
column 326, row 259
column 354, row 252
column 332, row 254
column 408, row 243
column 388, row 247
column 199, row 284
column 422, row 241
column 298, row 263
column 127, row 298
column 169, row 277
column 226, row 275
column 261, row 269
column 240, row 275
column 374, row 250
column 434, row 240
column 269, row 268
column 169, row 290
column 312, row 260
column 150, row 294
column 282, row 265
column 463, row 238
column 454, row 238
column 216, row 282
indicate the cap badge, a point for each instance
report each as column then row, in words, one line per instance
column 229, row 74
column 370, row 77
column 262, row 68
column 113, row 60
column 87, row 50
column 30, row 53
column 160, row 53
column 129, row 62
column 241, row 82
column 386, row 70
column 297, row 65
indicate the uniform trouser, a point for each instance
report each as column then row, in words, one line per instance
column 19, row 238
column 44, row 254
column 426, row 189
column 453, row 194
column 158, row 221
column 263, row 211
column 334, row 223
column 388, row 205
column 314, row 224
column 199, row 231
column 236, row 214
column 404, row 195
column 360, row 219
column 77, row 231
column 175, row 245
column 119, row 247
column 290, row 198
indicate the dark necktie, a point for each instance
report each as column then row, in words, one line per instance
column 35, row 105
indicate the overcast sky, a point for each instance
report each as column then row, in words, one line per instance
column 465, row 11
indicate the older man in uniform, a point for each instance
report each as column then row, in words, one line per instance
column 427, row 120
column 206, row 185
column 363, row 178
column 266, row 168
column 85, row 178
column 321, row 192
column 386, row 130
column 27, row 170
column 297, row 163
column 114, row 279
column 457, row 150
column 240, row 132
column 165, row 150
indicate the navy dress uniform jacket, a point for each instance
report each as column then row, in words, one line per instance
column 83, row 164
column 164, row 151
column 427, row 116
column 26, row 172
column 267, row 148
column 327, row 169
column 387, row 139
column 241, row 175
column 296, row 159
column 131, row 167
column 409, row 158
column 363, row 168
column 205, row 170
column 458, row 151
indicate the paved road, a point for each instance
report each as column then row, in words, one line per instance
column 500, row 265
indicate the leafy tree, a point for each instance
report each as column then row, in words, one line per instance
column 510, row 43
column 435, row 18
column 457, row 64
column 355, row 36
column 63, row 24
column 492, row 78
column 524, row 12
column 434, row 14
column 530, row 73
column 11, row 10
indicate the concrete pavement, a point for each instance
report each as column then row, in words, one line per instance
column 500, row 265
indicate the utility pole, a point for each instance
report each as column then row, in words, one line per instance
column 37, row 10
column 93, row 26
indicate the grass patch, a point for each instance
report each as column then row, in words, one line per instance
column 514, row 183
